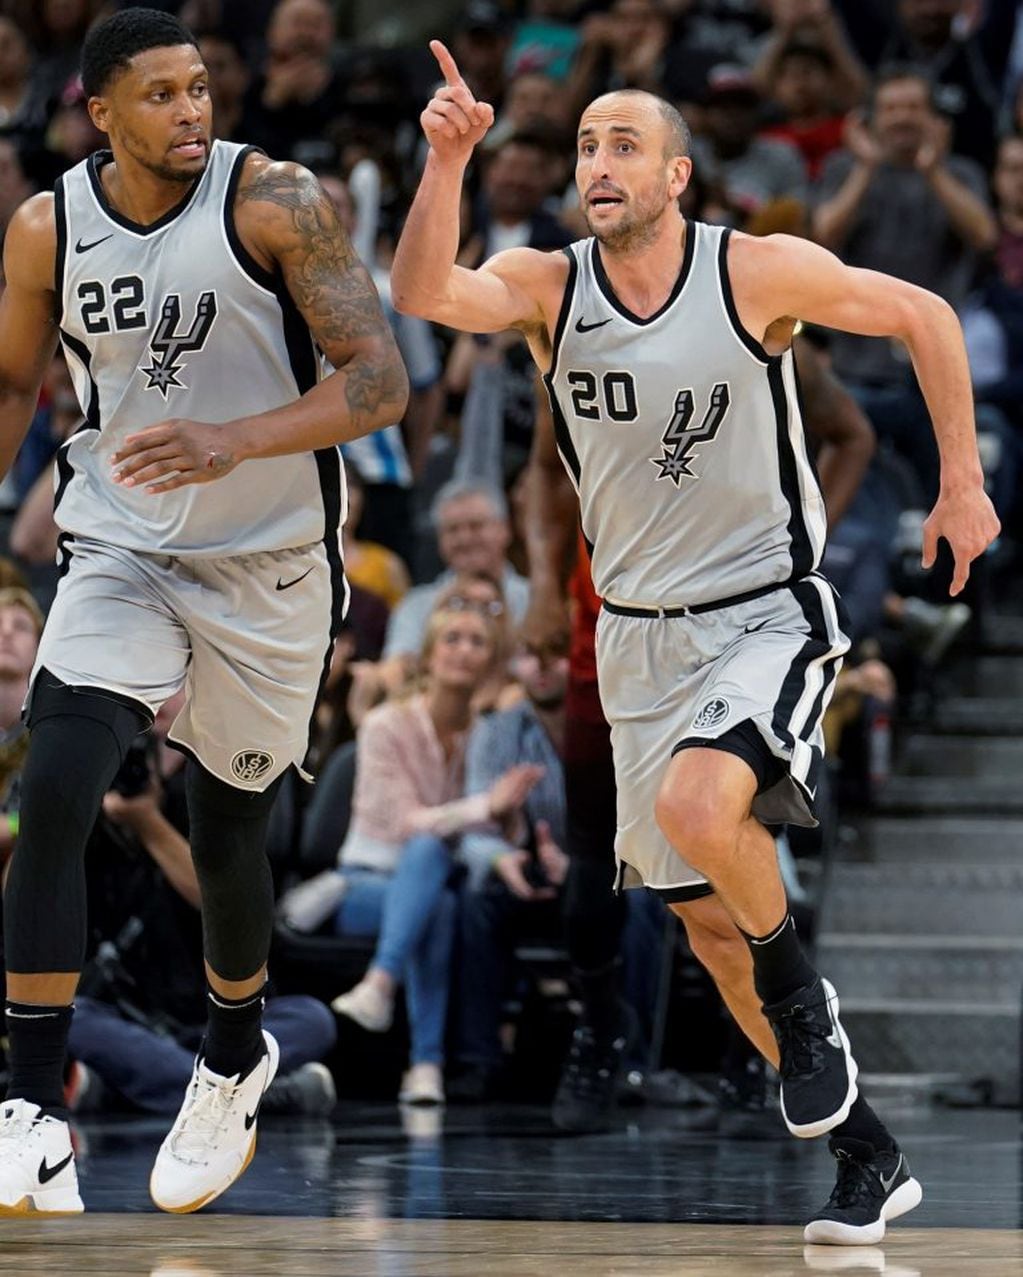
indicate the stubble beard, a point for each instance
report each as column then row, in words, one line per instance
column 637, row 229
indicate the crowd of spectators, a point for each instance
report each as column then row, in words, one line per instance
column 890, row 131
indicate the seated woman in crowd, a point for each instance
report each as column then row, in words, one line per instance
column 408, row 806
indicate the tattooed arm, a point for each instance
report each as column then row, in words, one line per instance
column 290, row 228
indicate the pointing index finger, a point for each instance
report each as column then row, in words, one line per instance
column 449, row 69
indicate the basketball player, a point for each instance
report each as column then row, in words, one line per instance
column 666, row 350
column 193, row 286
column 594, row 915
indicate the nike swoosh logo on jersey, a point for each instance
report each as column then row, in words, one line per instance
column 46, row 1173
column 582, row 327
column 282, row 586
column 886, row 1184
column 752, row 629
column 84, row 248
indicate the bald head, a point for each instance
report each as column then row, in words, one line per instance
column 677, row 137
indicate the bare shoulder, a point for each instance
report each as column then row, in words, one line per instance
column 277, row 182
column 30, row 245
column 535, row 271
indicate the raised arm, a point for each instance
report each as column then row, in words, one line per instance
column 289, row 225
column 781, row 277
column 28, row 327
column 510, row 290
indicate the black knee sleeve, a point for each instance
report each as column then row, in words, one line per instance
column 227, row 832
column 79, row 740
column 594, row 915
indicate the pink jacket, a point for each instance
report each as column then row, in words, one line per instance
column 404, row 785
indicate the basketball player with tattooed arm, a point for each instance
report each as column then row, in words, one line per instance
column 666, row 349
column 193, row 285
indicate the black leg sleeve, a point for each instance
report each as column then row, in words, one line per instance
column 227, row 832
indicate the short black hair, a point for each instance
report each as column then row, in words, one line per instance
column 896, row 72
column 110, row 46
column 809, row 51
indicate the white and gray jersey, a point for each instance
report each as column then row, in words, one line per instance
column 683, row 437
column 176, row 319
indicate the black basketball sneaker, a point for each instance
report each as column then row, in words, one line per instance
column 871, row 1189
column 818, row 1072
column 586, row 1096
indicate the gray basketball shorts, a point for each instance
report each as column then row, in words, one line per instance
column 246, row 636
column 772, row 661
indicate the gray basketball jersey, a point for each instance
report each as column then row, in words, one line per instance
column 682, row 436
column 176, row 319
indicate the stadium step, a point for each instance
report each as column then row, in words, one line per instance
column 938, row 839
column 976, row 1040
column 980, row 715
column 924, row 968
column 998, row 676
column 963, row 898
column 930, row 754
column 954, row 795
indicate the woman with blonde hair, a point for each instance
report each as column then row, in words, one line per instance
column 408, row 807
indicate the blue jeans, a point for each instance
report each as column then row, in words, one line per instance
column 413, row 912
column 153, row 1071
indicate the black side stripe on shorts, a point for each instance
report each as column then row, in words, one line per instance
column 819, row 657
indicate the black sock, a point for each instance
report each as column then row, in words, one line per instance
column 37, row 1047
column 864, row 1124
column 779, row 963
column 599, row 993
column 234, row 1032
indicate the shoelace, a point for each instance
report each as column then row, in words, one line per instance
column 857, row 1182
column 203, row 1122
column 800, row 1034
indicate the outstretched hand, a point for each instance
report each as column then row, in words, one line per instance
column 453, row 120
column 967, row 521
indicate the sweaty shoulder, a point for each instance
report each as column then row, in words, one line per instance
column 30, row 245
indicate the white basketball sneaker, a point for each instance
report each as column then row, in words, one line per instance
column 37, row 1163
column 214, row 1137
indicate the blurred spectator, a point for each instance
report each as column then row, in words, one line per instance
column 21, row 623
column 1008, row 187
column 15, row 187
column 624, row 48
column 72, row 136
column 229, row 83
column 517, row 181
column 480, row 47
column 141, row 1003
column 803, row 78
column 534, row 102
column 57, row 29
column 397, row 857
column 895, row 201
column 298, row 92
column 751, row 171
column 369, row 565
column 965, row 66
column 810, row 25
column 473, row 534
column 23, row 107
column 545, row 40
column 389, row 460
column 515, row 874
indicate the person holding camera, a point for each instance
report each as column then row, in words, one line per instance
column 139, row 1016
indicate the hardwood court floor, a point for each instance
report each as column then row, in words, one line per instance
column 495, row 1193
column 239, row 1246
